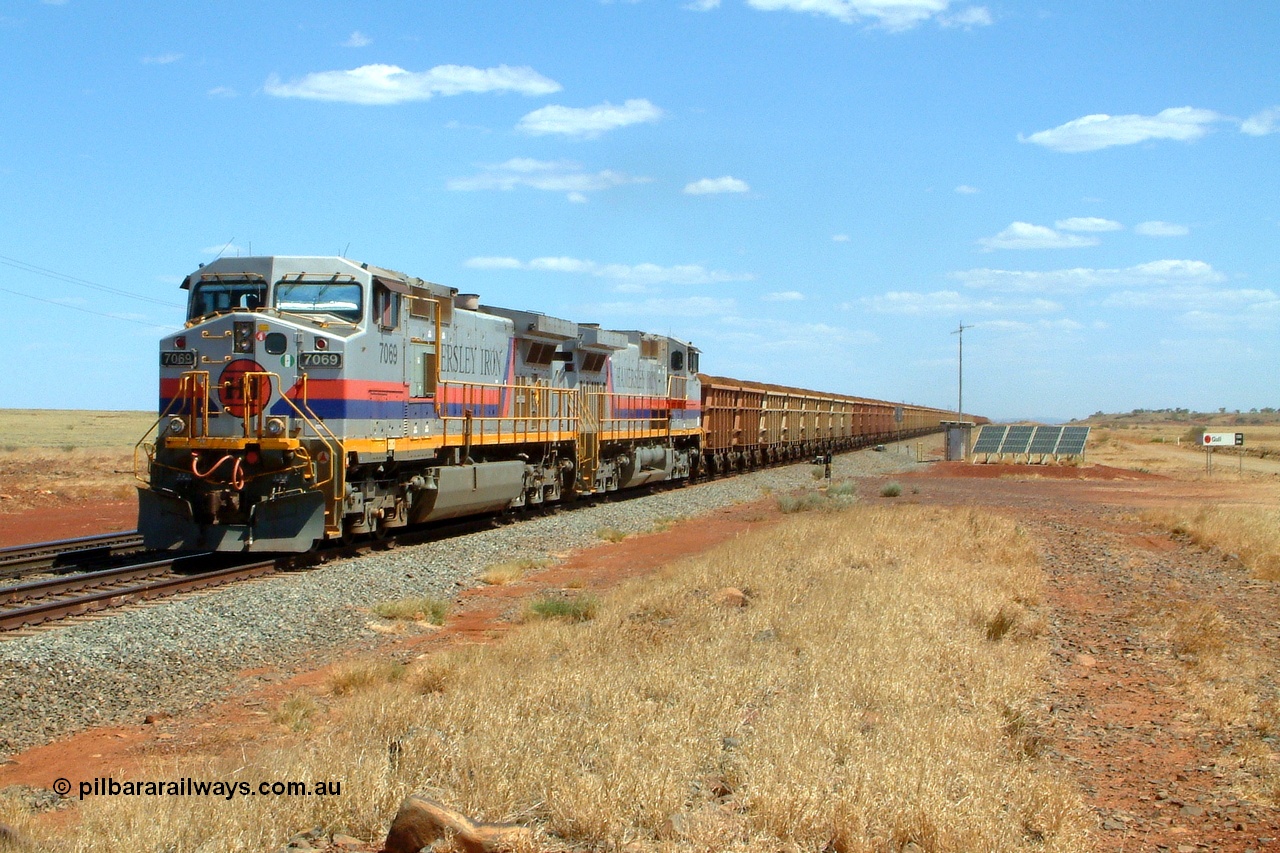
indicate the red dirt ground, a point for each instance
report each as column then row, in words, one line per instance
column 1157, row 775
column 994, row 471
column 66, row 522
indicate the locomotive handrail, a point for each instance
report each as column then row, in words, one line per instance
column 515, row 425
column 184, row 382
column 337, row 470
column 308, row 418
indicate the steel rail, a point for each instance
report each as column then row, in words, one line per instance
column 35, row 614
column 48, row 588
column 65, row 553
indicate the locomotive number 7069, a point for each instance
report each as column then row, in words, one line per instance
column 320, row 359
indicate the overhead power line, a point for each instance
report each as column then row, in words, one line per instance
column 85, row 310
column 71, row 279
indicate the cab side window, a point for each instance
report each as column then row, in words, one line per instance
column 386, row 307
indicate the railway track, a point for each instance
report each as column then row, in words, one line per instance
column 36, row 602
column 73, row 593
column 65, row 555
column 77, row 591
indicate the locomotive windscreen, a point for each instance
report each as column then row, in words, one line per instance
column 342, row 300
column 210, row 297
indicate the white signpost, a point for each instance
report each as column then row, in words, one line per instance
column 1222, row 439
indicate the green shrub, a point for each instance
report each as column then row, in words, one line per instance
column 417, row 609
column 843, row 489
column 580, row 609
column 800, row 503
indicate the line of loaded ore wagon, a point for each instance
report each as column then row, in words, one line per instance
column 309, row 399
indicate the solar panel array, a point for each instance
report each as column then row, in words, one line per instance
column 1017, row 439
column 1073, row 440
column 989, row 438
column 1042, row 441
column 1045, row 439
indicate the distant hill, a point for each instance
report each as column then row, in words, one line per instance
column 1150, row 417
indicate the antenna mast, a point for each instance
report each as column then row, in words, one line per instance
column 960, row 396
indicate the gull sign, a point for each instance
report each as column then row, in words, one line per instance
column 1223, row 439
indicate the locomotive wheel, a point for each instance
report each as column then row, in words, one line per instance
column 348, row 536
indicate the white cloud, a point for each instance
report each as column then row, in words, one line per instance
column 703, row 5
column 893, row 15
column 757, row 334
column 1087, row 223
column 357, row 39
column 692, row 306
column 1024, row 235
column 549, row 175
column 588, row 122
column 974, row 16
column 1229, row 324
column 1094, row 132
column 710, row 186
column 1151, row 274
column 162, row 59
column 222, row 92
column 965, row 189
column 493, row 263
column 630, row 277
column 1260, row 124
column 840, row 238
column 1156, row 228
column 951, row 302
column 390, row 84
column 1062, row 324
column 1194, row 297
column 783, row 296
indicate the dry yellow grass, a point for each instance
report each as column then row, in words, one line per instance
column 31, row 478
column 1225, row 672
column 511, row 571
column 295, row 712
column 354, row 676
column 1250, row 533
column 48, row 457
column 1171, row 448
column 23, row 429
column 417, row 608
column 862, row 700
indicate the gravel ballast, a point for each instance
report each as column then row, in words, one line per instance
column 179, row 654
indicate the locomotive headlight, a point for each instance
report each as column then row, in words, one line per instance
column 177, row 426
column 275, row 426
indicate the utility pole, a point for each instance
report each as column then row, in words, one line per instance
column 960, row 398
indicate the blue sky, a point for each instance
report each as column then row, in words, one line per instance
column 815, row 192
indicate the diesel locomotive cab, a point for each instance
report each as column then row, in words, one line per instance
column 313, row 399
column 241, row 459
